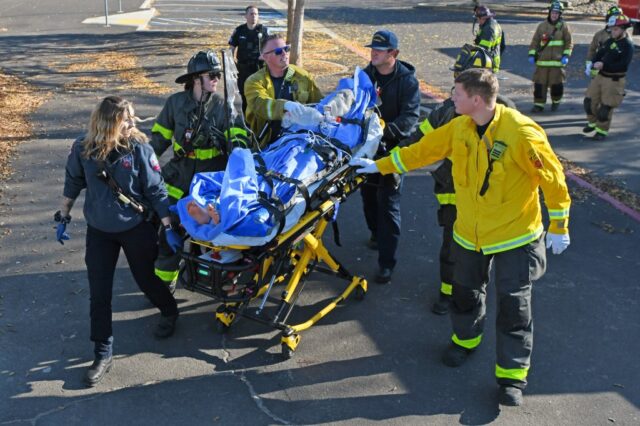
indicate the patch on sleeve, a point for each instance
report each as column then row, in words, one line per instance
column 126, row 162
column 153, row 162
column 535, row 159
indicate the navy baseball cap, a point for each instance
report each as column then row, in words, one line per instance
column 383, row 40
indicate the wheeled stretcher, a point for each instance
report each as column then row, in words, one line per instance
column 246, row 286
column 275, row 207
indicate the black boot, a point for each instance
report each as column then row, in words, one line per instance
column 384, row 276
column 510, row 396
column 588, row 129
column 98, row 370
column 441, row 307
column 166, row 326
column 455, row 355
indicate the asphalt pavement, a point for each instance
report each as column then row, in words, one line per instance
column 376, row 360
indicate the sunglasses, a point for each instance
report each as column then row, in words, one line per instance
column 279, row 50
column 215, row 75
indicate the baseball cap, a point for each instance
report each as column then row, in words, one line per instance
column 383, row 40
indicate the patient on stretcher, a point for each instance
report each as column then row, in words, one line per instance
column 203, row 215
column 261, row 194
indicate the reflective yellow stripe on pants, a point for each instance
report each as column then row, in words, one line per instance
column 467, row 344
column 519, row 374
column 166, row 276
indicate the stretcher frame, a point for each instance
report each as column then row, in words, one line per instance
column 288, row 260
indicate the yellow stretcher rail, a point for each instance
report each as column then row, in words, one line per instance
column 289, row 258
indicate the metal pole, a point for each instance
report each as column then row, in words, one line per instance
column 106, row 13
column 119, row 6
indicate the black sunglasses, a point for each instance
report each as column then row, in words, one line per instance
column 279, row 50
column 213, row 75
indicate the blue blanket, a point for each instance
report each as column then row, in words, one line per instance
column 236, row 192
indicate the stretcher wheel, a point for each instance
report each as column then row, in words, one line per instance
column 359, row 293
column 287, row 352
column 290, row 342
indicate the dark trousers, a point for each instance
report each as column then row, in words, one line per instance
column 446, row 219
column 244, row 71
column 140, row 246
column 514, row 272
column 381, row 202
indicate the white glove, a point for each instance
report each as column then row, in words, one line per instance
column 295, row 108
column 365, row 165
column 587, row 69
column 558, row 242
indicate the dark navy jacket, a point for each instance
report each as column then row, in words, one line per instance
column 400, row 106
column 137, row 172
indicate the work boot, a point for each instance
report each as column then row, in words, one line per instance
column 537, row 108
column 510, row 396
column 98, row 370
column 384, row 276
column 554, row 106
column 441, row 306
column 166, row 326
column 588, row 129
column 455, row 355
column 599, row 137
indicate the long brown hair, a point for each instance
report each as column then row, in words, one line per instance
column 105, row 132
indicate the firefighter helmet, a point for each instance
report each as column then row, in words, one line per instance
column 613, row 11
column 556, row 6
column 471, row 57
column 619, row 21
column 199, row 63
column 481, row 11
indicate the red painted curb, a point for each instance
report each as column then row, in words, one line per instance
column 604, row 196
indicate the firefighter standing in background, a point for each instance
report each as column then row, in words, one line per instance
column 469, row 57
column 192, row 122
column 598, row 41
column 489, row 34
column 549, row 51
column 245, row 43
column 606, row 90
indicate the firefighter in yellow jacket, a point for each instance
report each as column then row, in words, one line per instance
column 275, row 89
column 598, row 40
column 500, row 160
column 549, row 51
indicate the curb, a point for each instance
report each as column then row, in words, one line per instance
column 618, row 205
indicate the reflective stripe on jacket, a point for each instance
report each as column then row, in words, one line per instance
column 561, row 44
column 262, row 106
column 509, row 214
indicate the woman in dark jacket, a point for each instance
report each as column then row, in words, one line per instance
column 121, row 174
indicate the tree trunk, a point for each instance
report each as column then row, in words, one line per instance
column 290, row 13
column 296, row 34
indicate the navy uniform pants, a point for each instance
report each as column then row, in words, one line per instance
column 381, row 202
column 140, row 246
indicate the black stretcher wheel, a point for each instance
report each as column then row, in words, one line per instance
column 359, row 293
column 287, row 352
